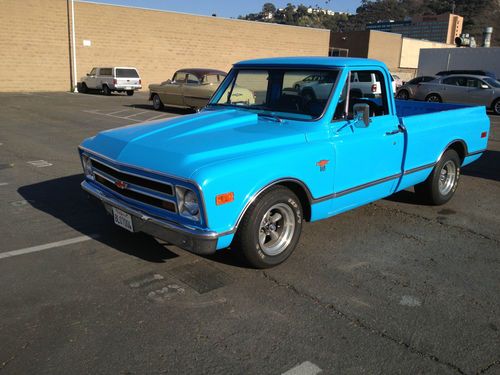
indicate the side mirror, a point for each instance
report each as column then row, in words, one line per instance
column 88, row 74
column 362, row 113
column 484, row 86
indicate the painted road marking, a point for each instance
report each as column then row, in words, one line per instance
column 130, row 117
column 305, row 368
column 137, row 114
column 47, row 246
column 19, row 203
column 410, row 301
column 4, row 183
column 39, row 163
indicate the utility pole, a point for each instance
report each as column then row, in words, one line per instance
column 453, row 7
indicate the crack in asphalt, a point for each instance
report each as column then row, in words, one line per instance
column 5, row 363
column 485, row 369
column 430, row 220
column 360, row 324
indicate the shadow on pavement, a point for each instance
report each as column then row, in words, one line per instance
column 488, row 166
column 64, row 199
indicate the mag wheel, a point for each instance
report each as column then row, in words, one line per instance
column 496, row 107
column 434, row 98
column 271, row 228
column 157, row 103
column 442, row 183
column 403, row 95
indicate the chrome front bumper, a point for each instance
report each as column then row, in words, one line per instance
column 189, row 238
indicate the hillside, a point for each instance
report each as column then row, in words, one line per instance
column 477, row 15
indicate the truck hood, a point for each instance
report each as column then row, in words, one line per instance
column 184, row 144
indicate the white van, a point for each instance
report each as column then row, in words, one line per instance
column 107, row 80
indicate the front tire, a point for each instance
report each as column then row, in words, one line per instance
column 433, row 98
column 84, row 89
column 442, row 183
column 157, row 103
column 496, row 107
column 403, row 95
column 271, row 227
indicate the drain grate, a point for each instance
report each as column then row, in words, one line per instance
column 201, row 276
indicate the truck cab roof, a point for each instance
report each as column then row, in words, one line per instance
column 319, row 61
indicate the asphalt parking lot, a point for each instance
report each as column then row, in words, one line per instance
column 392, row 287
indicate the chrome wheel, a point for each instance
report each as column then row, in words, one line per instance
column 276, row 229
column 496, row 107
column 447, row 177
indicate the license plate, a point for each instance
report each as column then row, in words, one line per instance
column 128, row 88
column 123, row 219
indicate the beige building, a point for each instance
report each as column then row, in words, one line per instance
column 399, row 53
column 35, row 42
column 443, row 28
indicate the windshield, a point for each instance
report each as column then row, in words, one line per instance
column 287, row 93
column 492, row 82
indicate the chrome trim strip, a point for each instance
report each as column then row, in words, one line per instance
column 449, row 144
column 192, row 231
column 421, row 168
column 132, row 188
column 476, row 152
column 133, row 174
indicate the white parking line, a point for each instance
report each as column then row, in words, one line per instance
column 305, row 368
column 137, row 114
column 47, row 246
column 40, row 163
column 4, row 183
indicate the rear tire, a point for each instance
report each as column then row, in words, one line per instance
column 106, row 90
column 157, row 103
column 271, row 227
column 130, row 92
column 433, row 98
column 496, row 107
column 442, row 183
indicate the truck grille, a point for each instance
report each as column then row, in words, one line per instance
column 151, row 192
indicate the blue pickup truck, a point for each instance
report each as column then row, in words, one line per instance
column 248, row 170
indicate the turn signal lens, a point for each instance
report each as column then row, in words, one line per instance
column 224, row 198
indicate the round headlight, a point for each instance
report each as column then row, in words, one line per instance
column 191, row 203
column 87, row 167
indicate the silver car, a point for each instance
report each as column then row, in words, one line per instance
column 407, row 90
column 461, row 88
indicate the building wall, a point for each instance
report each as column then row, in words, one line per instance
column 159, row 43
column 385, row 47
column 34, row 42
column 410, row 51
column 356, row 42
column 34, row 49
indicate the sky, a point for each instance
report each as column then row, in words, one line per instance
column 230, row 8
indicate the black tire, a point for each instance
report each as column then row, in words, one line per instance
column 308, row 95
column 496, row 107
column 157, row 103
column 432, row 191
column 256, row 242
column 434, row 98
column 106, row 90
column 83, row 88
column 403, row 95
column 130, row 92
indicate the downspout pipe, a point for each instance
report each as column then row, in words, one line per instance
column 73, row 46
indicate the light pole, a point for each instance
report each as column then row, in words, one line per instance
column 73, row 45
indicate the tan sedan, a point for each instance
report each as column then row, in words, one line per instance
column 189, row 88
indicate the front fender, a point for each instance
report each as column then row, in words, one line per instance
column 247, row 177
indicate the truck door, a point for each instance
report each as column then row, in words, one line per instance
column 368, row 158
column 172, row 92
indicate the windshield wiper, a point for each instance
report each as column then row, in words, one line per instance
column 270, row 116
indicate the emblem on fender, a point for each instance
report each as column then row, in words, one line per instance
column 322, row 165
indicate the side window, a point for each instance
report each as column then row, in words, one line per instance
column 105, row 71
column 473, row 82
column 192, row 79
column 450, row 81
column 365, row 87
column 211, row 78
column 179, row 77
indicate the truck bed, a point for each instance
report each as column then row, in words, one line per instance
column 406, row 108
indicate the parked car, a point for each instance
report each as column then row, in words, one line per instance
column 188, row 88
column 466, row 89
column 407, row 91
column 470, row 72
column 249, row 175
column 120, row 79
